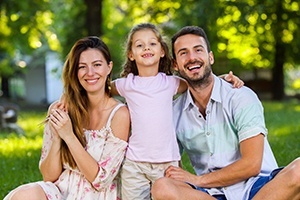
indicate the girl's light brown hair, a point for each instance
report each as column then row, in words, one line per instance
column 165, row 63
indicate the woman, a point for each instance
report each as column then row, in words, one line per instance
column 83, row 147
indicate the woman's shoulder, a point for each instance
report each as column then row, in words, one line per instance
column 118, row 107
column 120, row 121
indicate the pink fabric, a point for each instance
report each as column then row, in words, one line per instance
column 149, row 101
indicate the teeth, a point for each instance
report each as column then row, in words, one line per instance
column 193, row 67
column 147, row 55
column 91, row 80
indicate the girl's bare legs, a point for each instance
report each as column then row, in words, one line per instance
column 32, row 191
column 170, row 189
column 285, row 185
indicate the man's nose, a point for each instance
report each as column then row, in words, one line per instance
column 192, row 55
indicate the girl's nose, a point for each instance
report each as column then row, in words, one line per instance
column 147, row 48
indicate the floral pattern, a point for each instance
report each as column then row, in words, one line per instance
column 109, row 152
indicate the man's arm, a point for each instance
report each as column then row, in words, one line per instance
column 249, row 165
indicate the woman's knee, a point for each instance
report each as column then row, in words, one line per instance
column 29, row 191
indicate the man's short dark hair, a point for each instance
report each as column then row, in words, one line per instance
column 195, row 30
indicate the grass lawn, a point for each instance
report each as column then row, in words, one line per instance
column 19, row 155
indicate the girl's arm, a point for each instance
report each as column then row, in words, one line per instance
column 114, row 91
column 182, row 86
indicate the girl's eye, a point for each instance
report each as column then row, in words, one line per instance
column 153, row 44
column 139, row 45
column 97, row 64
column 81, row 66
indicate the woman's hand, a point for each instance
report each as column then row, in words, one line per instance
column 60, row 122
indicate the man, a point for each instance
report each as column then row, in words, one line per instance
column 222, row 129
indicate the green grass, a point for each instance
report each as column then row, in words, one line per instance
column 19, row 155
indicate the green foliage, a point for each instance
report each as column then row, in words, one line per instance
column 247, row 34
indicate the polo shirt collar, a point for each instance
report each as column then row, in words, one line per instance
column 215, row 96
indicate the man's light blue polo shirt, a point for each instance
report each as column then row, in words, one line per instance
column 232, row 115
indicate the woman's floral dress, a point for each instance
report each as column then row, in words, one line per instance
column 109, row 152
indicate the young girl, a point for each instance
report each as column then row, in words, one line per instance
column 148, row 88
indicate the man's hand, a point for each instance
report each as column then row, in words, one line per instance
column 179, row 174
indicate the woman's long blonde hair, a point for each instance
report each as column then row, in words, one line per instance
column 75, row 95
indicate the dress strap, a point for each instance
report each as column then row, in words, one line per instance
column 112, row 113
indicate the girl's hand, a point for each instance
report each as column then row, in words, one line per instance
column 234, row 80
column 61, row 123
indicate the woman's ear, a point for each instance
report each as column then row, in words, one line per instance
column 110, row 66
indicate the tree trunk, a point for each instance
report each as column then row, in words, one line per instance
column 5, row 87
column 280, row 51
column 278, row 73
column 94, row 17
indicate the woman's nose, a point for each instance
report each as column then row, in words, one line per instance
column 91, row 70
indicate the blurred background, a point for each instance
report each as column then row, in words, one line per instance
column 257, row 39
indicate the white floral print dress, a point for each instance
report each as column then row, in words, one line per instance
column 109, row 152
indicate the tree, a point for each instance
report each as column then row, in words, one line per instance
column 41, row 26
column 261, row 34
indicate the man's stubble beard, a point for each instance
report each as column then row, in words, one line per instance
column 198, row 81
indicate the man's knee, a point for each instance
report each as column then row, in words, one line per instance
column 294, row 170
column 161, row 189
